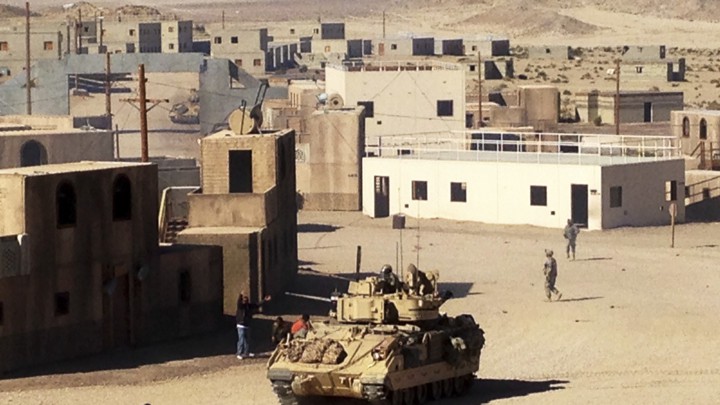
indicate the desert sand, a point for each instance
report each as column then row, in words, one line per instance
column 637, row 322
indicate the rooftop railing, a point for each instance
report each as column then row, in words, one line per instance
column 394, row 66
column 527, row 147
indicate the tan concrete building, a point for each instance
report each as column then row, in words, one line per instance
column 247, row 205
column 82, row 270
column 328, row 158
column 486, row 46
column 635, row 106
column 401, row 97
column 535, row 106
column 45, row 43
column 699, row 135
column 247, row 48
column 404, row 46
column 39, row 140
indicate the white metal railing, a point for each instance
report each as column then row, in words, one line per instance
column 394, row 65
column 527, row 147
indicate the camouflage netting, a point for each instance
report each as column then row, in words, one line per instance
column 325, row 351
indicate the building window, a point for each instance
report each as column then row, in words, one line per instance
column 444, row 108
column 686, row 127
column 48, row 45
column 65, row 205
column 171, row 29
column 3, row 46
column 32, row 153
column 233, row 40
column 316, row 30
column 369, row 108
column 671, row 190
column 703, row 129
column 217, row 40
column 184, row 286
column 327, row 48
column 393, row 46
column 638, row 69
column 238, row 62
column 131, row 32
column 473, row 67
column 474, row 47
column 62, row 303
column 706, row 193
column 538, row 195
column 171, row 46
column 292, row 31
column 122, row 198
column 257, row 62
column 615, row 197
column 86, row 29
column 419, row 190
column 458, row 192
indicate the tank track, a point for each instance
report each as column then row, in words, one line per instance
column 285, row 395
column 453, row 387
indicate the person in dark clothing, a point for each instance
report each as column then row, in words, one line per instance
column 280, row 330
column 243, row 318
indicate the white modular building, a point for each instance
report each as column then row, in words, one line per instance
column 599, row 181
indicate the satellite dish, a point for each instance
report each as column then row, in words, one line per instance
column 335, row 101
column 240, row 122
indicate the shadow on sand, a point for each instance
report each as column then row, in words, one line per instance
column 316, row 228
column 590, row 259
column 483, row 391
column 580, row 299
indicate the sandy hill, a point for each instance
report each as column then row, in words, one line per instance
column 8, row 11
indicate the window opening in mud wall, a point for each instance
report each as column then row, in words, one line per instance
column 65, row 204
column 122, row 198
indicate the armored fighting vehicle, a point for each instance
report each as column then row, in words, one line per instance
column 383, row 345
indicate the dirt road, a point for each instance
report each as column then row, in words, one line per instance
column 637, row 322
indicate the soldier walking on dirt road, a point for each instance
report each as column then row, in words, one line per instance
column 570, row 233
column 550, row 271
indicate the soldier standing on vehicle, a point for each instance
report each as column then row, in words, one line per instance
column 550, row 271
column 570, row 233
column 390, row 283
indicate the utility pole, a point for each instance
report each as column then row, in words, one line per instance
column 108, row 85
column 479, row 69
column 383, row 24
column 617, row 97
column 143, row 114
column 28, row 77
column 143, row 100
column 79, row 30
column 223, row 19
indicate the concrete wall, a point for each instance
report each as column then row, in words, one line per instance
column 329, row 176
column 150, row 38
column 632, row 106
column 558, row 52
column 486, row 47
column 686, row 126
column 542, row 106
column 166, row 312
column 644, row 198
column 44, row 45
column 60, row 147
column 405, row 101
column 328, row 46
column 645, row 53
column 81, row 260
column 449, row 47
column 176, row 36
column 499, row 192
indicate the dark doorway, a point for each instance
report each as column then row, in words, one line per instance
column 382, row 196
column 648, row 112
column 116, row 319
column 33, row 153
column 580, row 204
column 240, row 171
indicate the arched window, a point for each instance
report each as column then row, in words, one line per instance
column 65, row 205
column 686, row 127
column 703, row 129
column 122, row 198
column 33, row 153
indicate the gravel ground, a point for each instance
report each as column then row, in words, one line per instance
column 637, row 322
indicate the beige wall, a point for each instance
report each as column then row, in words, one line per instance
column 691, row 140
column 632, row 108
column 644, row 198
column 405, row 101
column 79, row 260
column 542, row 106
column 330, row 176
column 60, row 147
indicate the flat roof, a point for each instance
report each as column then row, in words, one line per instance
column 14, row 130
column 713, row 113
column 227, row 133
column 633, row 93
column 220, row 230
column 68, row 168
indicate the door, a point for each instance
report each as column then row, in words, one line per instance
column 240, row 171
column 580, row 204
column 382, row 196
column 116, row 314
column 648, row 112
